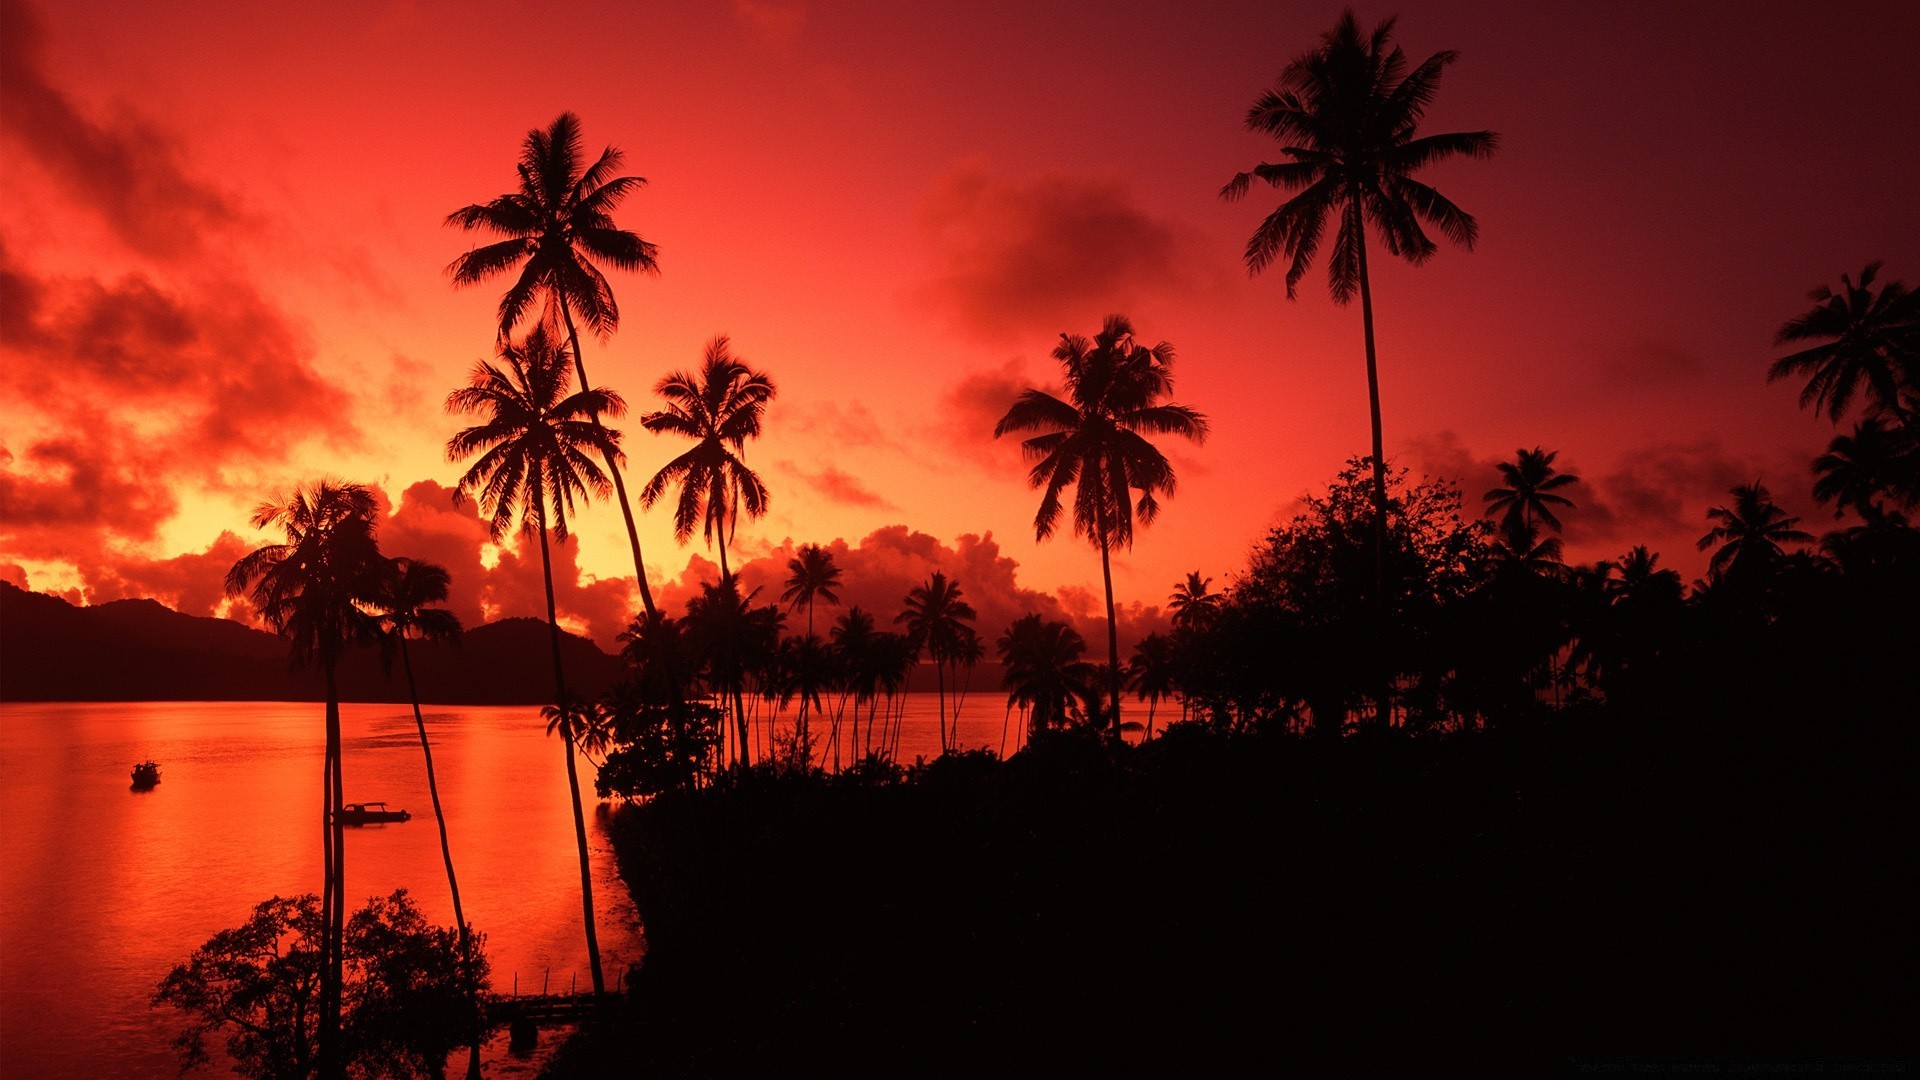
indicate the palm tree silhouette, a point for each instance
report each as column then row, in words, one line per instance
column 1043, row 670
column 316, row 590
column 1193, row 602
column 1749, row 534
column 1874, row 341
column 555, row 224
column 936, row 619
column 533, row 463
column 1347, row 115
column 720, row 409
column 731, row 637
column 1150, row 672
column 811, row 573
column 1531, row 483
column 1863, row 470
column 1096, row 440
column 853, row 639
column 408, row 589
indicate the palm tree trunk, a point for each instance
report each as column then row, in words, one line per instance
column 573, row 778
column 333, row 909
column 1113, row 633
column 940, row 684
column 613, row 470
column 446, row 852
column 1379, row 471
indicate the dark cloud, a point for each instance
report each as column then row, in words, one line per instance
column 1053, row 253
column 63, row 495
column 194, row 583
column 129, row 170
column 13, row 574
column 975, row 404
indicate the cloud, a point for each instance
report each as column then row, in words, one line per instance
column 1057, row 252
column 976, row 403
column 13, row 574
column 194, row 583
column 837, row 485
column 66, row 493
column 127, row 169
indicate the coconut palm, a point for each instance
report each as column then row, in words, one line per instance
column 1096, row 440
column 1347, row 115
column 1869, row 339
column 811, row 573
column 1043, row 670
column 1530, row 492
column 1749, row 534
column 936, row 619
column 555, row 224
column 853, row 641
column 533, row 464
column 720, row 409
column 732, row 638
column 1150, row 672
column 1193, row 602
column 1864, row 470
column 316, row 589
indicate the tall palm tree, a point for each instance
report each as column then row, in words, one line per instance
column 731, row 637
column 853, row 640
column 1750, row 533
column 720, row 409
column 1193, row 602
column 1096, row 440
column 533, row 464
column 1872, row 339
column 554, row 225
column 1347, row 115
column 1530, row 492
column 936, row 619
column 1863, row 470
column 317, row 589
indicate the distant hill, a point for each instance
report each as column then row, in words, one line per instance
column 141, row 650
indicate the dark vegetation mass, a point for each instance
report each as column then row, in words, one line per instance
column 1408, row 787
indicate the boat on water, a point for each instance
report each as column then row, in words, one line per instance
column 369, row 813
column 146, row 774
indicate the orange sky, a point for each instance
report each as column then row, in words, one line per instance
column 222, row 267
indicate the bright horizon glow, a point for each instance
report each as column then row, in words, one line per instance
column 222, row 262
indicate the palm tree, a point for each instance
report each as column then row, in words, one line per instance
column 1193, row 602
column 1862, row 470
column 533, row 463
column 811, row 573
column 1531, row 483
column 408, row 589
column 1347, row 115
column 853, row 640
column 1873, row 338
column 1150, row 672
column 555, row 224
column 1043, row 670
column 1750, row 534
column 936, row 618
column 316, row 590
column 731, row 637
column 720, row 409
column 1096, row 440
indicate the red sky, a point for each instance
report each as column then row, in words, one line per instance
column 222, row 267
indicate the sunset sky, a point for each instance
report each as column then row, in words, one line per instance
column 223, row 269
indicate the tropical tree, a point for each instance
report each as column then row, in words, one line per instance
column 811, row 573
column 1868, row 339
column 1347, row 115
column 553, row 226
column 1749, row 535
column 1877, row 463
column 317, row 589
column 1150, row 672
column 853, row 641
column 1530, row 490
column 720, row 409
column 408, row 589
column 1044, row 671
column 936, row 619
column 732, row 639
column 1096, row 440
column 1193, row 601
column 533, row 464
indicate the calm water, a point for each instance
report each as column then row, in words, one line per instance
column 105, row 888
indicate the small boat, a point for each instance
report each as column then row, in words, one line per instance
column 369, row 813
column 146, row 774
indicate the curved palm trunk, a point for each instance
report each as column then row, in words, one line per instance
column 446, row 852
column 333, row 908
column 613, row 470
column 1379, row 472
column 1113, row 634
column 940, row 684
column 573, row 776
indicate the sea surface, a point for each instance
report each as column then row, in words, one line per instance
column 103, row 888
